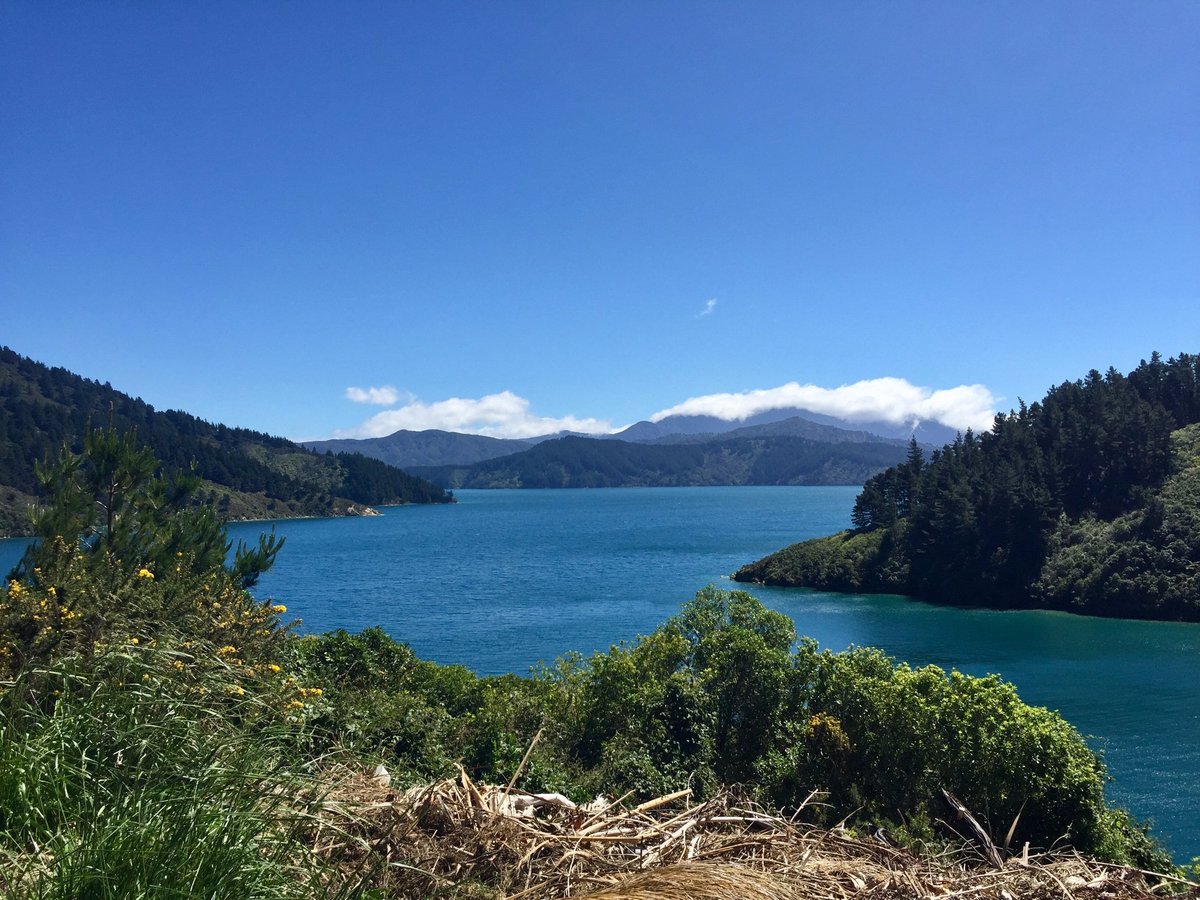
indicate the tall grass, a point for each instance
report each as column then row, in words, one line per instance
column 121, row 779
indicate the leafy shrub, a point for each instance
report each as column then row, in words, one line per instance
column 718, row 695
column 846, row 561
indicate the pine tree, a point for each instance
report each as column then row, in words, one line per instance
column 111, row 503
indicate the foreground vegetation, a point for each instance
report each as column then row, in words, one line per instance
column 1088, row 501
column 164, row 734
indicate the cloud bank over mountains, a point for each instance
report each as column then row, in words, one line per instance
column 891, row 400
column 508, row 415
column 502, row 415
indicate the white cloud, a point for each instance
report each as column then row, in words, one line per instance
column 378, row 396
column 503, row 415
column 709, row 306
column 891, row 400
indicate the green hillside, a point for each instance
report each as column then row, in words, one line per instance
column 1088, row 501
column 246, row 474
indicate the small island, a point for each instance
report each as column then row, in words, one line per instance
column 1087, row 501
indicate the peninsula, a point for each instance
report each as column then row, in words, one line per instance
column 1086, row 501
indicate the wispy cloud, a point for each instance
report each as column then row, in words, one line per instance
column 503, row 415
column 891, row 400
column 709, row 305
column 378, row 396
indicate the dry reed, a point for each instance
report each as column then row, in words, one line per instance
column 456, row 838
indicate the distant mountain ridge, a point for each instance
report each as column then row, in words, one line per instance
column 925, row 432
column 574, row 462
column 434, row 447
column 248, row 474
column 425, row 448
column 796, row 426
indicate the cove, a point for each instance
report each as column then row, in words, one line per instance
column 505, row 579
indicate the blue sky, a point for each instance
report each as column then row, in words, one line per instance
column 516, row 215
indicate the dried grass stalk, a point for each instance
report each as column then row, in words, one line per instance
column 459, row 839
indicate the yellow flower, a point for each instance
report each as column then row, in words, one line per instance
column 279, row 608
column 134, row 641
column 15, row 589
column 145, row 573
column 274, row 667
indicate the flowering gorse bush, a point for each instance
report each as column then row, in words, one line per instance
column 123, row 552
column 126, row 562
column 66, row 606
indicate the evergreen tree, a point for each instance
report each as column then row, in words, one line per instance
column 111, row 503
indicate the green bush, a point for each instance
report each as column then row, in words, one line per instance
column 124, row 554
column 717, row 695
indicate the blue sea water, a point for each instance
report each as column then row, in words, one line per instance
column 505, row 579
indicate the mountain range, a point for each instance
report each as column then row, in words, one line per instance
column 575, row 462
column 434, row 448
column 672, row 429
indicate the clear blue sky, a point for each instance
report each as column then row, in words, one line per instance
column 243, row 209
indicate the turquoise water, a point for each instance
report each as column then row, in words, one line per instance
column 504, row 579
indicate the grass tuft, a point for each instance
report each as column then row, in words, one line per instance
column 118, row 780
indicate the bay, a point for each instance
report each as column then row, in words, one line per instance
column 505, row 579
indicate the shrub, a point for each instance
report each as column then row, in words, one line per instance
column 123, row 553
column 718, row 695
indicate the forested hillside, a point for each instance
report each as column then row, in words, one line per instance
column 432, row 447
column 1086, row 501
column 574, row 462
column 245, row 473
